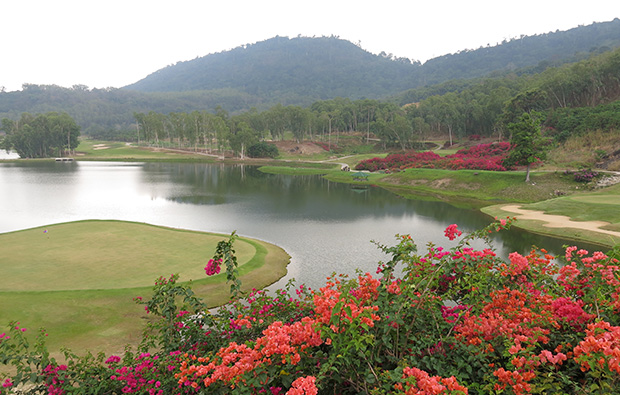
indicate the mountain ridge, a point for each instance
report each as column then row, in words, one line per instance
column 328, row 67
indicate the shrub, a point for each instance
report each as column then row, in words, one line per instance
column 263, row 149
column 480, row 157
column 584, row 175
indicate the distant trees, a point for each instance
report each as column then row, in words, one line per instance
column 42, row 135
column 325, row 120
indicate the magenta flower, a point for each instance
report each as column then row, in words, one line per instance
column 452, row 232
column 213, row 267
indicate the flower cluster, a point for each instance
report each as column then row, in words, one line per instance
column 213, row 267
column 583, row 175
column 452, row 232
column 329, row 147
column 480, row 157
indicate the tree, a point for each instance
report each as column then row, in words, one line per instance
column 528, row 145
column 41, row 136
column 243, row 137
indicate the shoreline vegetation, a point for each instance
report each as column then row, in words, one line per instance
column 84, row 297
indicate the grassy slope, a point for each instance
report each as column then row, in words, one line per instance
column 106, row 319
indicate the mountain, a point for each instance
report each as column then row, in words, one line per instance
column 294, row 70
column 302, row 70
column 317, row 68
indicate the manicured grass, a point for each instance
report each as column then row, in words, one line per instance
column 97, row 312
column 485, row 187
column 600, row 205
column 104, row 255
column 106, row 150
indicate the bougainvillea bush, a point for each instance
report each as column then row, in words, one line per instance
column 455, row 320
column 480, row 157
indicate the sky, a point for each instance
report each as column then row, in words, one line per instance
column 114, row 43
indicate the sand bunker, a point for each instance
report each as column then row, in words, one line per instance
column 559, row 221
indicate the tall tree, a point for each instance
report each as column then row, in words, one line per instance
column 528, row 145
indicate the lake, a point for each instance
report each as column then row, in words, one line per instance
column 326, row 227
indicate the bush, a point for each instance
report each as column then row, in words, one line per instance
column 479, row 157
column 453, row 320
column 263, row 149
column 583, row 175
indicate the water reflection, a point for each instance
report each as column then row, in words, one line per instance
column 324, row 226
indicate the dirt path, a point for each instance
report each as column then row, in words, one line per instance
column 559, row 221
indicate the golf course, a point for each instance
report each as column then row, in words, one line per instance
column 78, row 280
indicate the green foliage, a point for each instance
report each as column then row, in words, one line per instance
column 41, row 136
column 225, row 253
column 262, row 149
column 163, row 305
column 528, row 144
column 566, row 122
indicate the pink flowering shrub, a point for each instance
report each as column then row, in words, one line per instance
column 480, row 157
column 457, row 320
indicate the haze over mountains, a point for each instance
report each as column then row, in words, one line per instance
column 300, row 71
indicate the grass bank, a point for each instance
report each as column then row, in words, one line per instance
column 480, row 188
column 79, row 279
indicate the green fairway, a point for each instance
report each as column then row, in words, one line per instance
column 79, row 279
column 107, row 150
column 104, row 255
column 600, row 205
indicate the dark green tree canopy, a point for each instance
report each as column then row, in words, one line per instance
column 528, row 144
column 41, row 136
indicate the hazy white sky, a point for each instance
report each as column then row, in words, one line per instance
column 113, row 43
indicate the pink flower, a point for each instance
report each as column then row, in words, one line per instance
column 452, row 232
column 213, row 267
column 113, row 359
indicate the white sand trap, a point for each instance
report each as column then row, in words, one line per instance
column 559, row 221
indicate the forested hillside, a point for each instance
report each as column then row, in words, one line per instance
column 462, row 93
column 289, row 70
column 327, row 67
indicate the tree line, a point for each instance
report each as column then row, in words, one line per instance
column 323, row 121
column 41, row 135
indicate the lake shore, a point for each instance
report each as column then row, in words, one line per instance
column 484, row 191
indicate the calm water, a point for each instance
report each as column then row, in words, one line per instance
column 324, row 226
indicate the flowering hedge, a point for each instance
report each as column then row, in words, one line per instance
column 480, row 157
column 453, row 320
